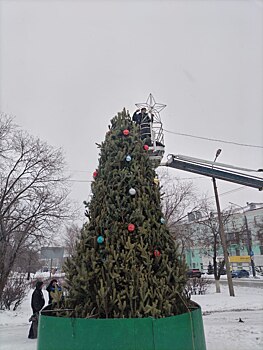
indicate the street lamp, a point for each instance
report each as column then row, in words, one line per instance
column 222, row 234
column 249, row 240
column 217, row 154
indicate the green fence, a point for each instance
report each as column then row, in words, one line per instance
column 182, row 332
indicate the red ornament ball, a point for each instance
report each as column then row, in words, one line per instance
column 156, row 253
column 126, row 132
column 131, row 227
column 95, row 174
column 146, row 147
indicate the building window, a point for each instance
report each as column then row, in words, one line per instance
column 258, row 219
column 231, row 236
column 193, row 265
column 191, row 217
column 261, row 249
column 260, row 235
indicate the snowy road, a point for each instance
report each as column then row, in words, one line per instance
column 245, row 282
column 221, row 316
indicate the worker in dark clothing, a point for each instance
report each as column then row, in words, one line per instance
column 136, row 118
column 146, row 128
column 37, row 303
column 138, row 115
column 141, row 118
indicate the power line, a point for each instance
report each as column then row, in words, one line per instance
column 190, row 178
column 214, row 140
column 73, row 180
column 193, row 178
column 231, row 191
column 80, row 171
column 179, row 179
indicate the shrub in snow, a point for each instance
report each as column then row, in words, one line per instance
column 14, row 292
column 197, row 286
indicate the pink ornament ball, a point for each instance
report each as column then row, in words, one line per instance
column 131, row 227
column 156, row 253
column 126, row 132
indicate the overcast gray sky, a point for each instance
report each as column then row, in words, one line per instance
column 67, row 67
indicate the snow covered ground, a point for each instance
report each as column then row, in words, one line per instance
column 221, row 315
column 221, row 321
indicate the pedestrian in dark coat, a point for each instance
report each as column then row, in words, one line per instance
column 37, row 303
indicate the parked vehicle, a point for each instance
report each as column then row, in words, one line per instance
column 240, row 274
column 259, row 270
column 194, row 273
column 210, row 269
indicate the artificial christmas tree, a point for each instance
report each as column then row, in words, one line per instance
column 126, row 266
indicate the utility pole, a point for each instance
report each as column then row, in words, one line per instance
column 222, row 235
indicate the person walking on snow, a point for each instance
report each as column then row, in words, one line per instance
column 37, row 303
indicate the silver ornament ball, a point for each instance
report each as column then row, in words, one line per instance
column 132, row 191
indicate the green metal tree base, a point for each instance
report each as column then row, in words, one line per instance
column 182, row 332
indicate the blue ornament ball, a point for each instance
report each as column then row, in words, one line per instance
column 100, row 239
column 128, row 158
column 162, row 220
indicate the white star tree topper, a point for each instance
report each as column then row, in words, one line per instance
column 152, row 107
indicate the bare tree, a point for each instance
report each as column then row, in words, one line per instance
column 71, row 237
column 208, row 238
column 6, row 127
column 33, row 193
column 178, row 199
column 28, row 260
column 258, row 220
column 258, row 236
